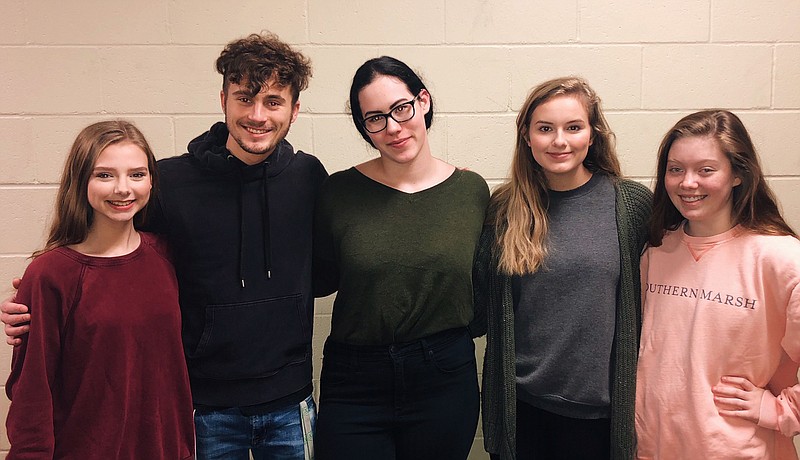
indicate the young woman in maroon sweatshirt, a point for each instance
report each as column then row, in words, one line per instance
column 101, row 374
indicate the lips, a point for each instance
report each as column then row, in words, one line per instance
column 120, row 204
column 256, row 131
column 399, row 142
column 692, row 198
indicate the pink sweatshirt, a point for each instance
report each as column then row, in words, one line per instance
column 712, row 306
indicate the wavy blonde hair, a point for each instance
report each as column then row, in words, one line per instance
column 518, row 208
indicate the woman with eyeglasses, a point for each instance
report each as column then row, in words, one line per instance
column 396, row 237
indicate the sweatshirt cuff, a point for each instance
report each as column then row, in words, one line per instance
column 768, row 415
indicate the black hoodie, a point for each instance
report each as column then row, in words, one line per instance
column 241, row 242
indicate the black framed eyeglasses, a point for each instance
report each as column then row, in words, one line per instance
column 401, row 113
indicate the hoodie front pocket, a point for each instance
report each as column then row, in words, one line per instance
column 252, row 339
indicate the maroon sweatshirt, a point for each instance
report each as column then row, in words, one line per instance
column 102, row 374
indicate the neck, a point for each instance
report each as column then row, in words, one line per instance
column 566, row 182
column 109, row 239
column 245, row 157
column 421, row 173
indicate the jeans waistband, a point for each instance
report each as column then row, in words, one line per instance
column 380, row 352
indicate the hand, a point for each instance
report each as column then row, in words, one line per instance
column 12, row 315
column 738, row 397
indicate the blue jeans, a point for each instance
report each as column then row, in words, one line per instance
column 407, row 401
column 229, row 435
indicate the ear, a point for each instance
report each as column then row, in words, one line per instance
column 295, row 111
column 222, row 99
column 425, row 101
column 737, row 181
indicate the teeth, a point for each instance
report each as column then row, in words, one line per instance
column 120, row 203
column 257, row 131
column 692, row 199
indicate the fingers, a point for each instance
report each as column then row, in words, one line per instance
column 10, row 310
column 15, row 282
column 741, row 382
column 16, row 331
column 13, row 341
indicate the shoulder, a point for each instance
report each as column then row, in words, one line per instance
column 782, row 248
column 57, row 267
column 472, row 178
column 176, row 162
column 472, row 184
column 157, row 243
column 634, row 191
column 343, row 178
column 634, row 197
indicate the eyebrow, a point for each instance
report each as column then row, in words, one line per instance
column 110, row 168
column 545, row 122
column 391, row 107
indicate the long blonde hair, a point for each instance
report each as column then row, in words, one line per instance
column 518, row 208
column 73, row 214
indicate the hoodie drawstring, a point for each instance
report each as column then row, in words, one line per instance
column 265, row 220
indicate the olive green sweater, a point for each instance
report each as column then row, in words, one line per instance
column 494, row 310
column 402, row 262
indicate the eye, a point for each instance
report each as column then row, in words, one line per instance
column 545, row 129
column 244, row 100
column 103, row 175
column 674, row 170
column 574, row 128
column 139, row 175
column 402, row 108
column 374, row 119
column 706, row 170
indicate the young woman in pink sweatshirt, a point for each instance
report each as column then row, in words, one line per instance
column 720, row 344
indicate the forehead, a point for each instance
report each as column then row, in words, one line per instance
column 270, row 88
column 383, row 92
column 564, row 106
column 121, row 152
column 696, row 148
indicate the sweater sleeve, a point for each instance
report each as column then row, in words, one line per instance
column 325, row 269
column 34, row 368
column 480, row 282
column 782, row 412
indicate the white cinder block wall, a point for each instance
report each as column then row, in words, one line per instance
column 66, row 64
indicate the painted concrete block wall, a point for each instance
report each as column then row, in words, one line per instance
column 66, row 64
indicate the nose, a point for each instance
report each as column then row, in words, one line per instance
column 688, row 181
column 559, row 140
column 392, row 126
column 121, row 187
column 258, row 113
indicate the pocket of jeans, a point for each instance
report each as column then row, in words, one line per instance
column 334, row 372
column 455, row 356
column 252, row 339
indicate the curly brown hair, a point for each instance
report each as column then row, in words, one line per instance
column 259, row 58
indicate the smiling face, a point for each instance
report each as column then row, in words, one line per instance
column 399, row 142
column 257, row 123
column 119, row 185
column 559, row 136
column 699, row 180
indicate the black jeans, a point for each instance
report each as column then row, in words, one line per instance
column 545, row 435
column 416, row 400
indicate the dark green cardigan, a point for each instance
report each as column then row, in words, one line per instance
column 494, row 310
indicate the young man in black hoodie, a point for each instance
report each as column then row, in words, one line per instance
column 237, row 210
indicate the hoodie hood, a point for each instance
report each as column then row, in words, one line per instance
column 209, row 149
column 254, row 181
